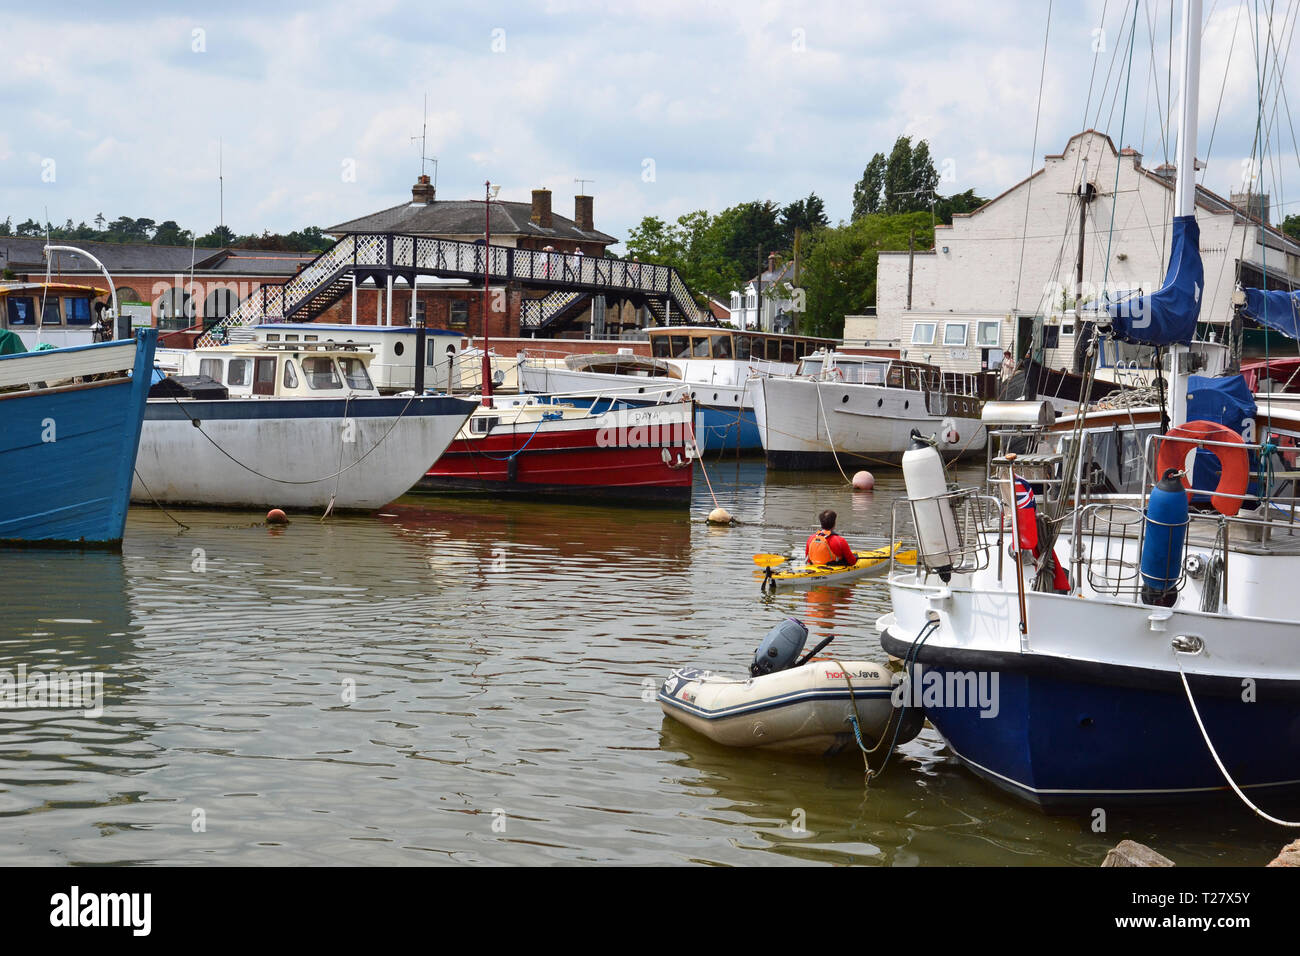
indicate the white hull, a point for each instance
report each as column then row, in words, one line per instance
column 803, row 709
column 359, row 454
column 808, row 419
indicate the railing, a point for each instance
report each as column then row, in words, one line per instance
column 957, row 526
column 460, row 259
column 535, row 313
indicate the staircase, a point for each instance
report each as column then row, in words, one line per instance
column 570, row 279
column 553, row 310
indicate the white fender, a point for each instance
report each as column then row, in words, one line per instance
column 936, row 528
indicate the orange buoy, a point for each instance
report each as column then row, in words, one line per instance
column 276, row 516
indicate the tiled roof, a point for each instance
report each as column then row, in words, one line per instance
column 23, row 254
column 465, row 218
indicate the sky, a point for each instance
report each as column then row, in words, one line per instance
column 668, row 106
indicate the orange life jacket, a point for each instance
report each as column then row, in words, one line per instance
column 819, row 551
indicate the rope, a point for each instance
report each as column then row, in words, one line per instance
column 157, row 504
column 829, row 440
column 536, row 428
column 1213, row 753
column 1033, row 158
column 287, row 481
column 700, row 458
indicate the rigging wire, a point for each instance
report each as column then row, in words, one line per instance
column 1033, row 158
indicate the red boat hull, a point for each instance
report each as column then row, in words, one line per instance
column 563, row 461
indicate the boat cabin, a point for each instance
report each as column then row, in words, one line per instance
column 392, row 349
column 688, row 342
column 278, row 370
column 49, row 313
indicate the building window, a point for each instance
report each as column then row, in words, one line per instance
column 458, row 316
column 923, row 333
column 954, row 334
column 987, row 334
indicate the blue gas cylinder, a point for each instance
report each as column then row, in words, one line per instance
column 780, row 649
column 1162, row 545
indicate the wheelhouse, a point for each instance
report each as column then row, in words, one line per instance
column 724, row 344
column 282, row 370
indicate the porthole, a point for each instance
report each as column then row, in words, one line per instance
column 844, row 400
column 907, row 405
column 715, row 396
column 880, row 403
column 398, row 348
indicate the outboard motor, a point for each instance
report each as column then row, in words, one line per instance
column 936, row 528
column 780, row 649
column 1162, row 545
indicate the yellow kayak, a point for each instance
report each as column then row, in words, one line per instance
column 811, row 575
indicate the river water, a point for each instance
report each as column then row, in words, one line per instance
column 459, row 680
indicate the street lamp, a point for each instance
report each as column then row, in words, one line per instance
column 489, row 193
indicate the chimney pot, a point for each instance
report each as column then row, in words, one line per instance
column 583, row 213
column 423, row 191
column 541, row 214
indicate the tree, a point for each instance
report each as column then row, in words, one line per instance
column 7, row 227
column 219, row 237
column 655, row 241
column 867, row 193
column 805, row 215
column 170, row 233
column 1291, row 225
column 839, row 270
column 948, row 206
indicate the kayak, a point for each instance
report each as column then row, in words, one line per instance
column 812, row 575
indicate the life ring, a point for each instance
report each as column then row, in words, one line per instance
column 1234, row 463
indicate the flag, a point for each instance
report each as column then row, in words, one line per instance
column 1026, row 515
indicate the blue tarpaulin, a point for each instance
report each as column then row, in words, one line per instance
column 1277, row 310
column 1168, row 316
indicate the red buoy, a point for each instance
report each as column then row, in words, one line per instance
column 276, row 516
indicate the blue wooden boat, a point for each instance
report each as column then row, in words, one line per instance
column 70, row 423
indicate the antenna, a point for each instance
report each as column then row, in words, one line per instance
column 423, row 138
column 221, row 191
column 583, row 184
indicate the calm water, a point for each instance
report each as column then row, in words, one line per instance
column 459, row 680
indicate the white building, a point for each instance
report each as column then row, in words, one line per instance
column 1003, row 277
column 776, row 312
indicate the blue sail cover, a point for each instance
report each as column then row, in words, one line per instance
column 1277, row 310
column 1167, row 317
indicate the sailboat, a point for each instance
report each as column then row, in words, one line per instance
column 1147, row 645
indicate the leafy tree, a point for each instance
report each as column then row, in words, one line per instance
column 805, row 215
column 170, row 233
column 7, row 227
column 867, row 194
column 1291, row 225
column 839, row 270
column 219, row 237
column 948, row 206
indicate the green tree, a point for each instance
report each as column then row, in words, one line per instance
column 867, row 193
column 1291, row 225
column 805, row 215
column 948, row 206
column 170, row 233
column 218, row 238
column 839, row 270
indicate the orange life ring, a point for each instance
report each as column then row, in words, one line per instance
column 1234, row 476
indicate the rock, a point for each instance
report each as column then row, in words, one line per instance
column 1128, row 853
column 720, row 516
column 864, row 481
column 1290, row 855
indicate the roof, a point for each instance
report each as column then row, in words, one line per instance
column 23, row 254
column 458, row 217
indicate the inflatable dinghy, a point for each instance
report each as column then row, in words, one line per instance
column 807, row 706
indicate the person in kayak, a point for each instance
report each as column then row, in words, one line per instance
column 827, row 547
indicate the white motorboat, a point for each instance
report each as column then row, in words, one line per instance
column 856, row 410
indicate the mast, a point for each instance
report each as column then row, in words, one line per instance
column 1189, row 76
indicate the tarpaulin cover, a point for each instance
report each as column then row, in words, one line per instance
column 10, row 343
column 1277, row 310
column 1168, row 316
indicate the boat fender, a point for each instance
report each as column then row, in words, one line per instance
column 926, row 484
column 780, row 648
column 1162, row 542
column 512, row 469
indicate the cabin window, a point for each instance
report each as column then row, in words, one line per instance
column 211, row 368
column 458, row 316
column 354, row 371
column 311, row 338
column 700, row 346
column 787, row 351
column 811, row 367
column 77, row 310
column 679, row 346
column 722, row 346
column 659, row 346
column 800, row 349
column 987, row 334
column 923, row 333
column 291, row 336
column 954, row 334
column 320, row 373
column 481, row 425
column 742, row 347
column 22, row 310
column 290, row 374
column 239, row 372
column 51, row 315
column 273, row 336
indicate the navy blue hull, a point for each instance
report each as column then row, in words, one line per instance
column 67, row 456
column 1081, row 737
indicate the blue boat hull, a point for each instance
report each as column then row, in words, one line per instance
column 67, row 456
column 716, row 429
column 1072, row 734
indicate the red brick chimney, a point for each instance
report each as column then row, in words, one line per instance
column 582, row 213
column 423, row 191
column 542, row 208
